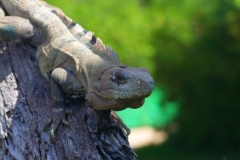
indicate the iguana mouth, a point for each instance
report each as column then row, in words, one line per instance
column 133, row 103
column 124, row 94
column 99, row 103
column 137, row 90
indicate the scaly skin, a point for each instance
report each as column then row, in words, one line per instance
column 73, row 60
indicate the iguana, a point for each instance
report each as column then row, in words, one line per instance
column 74, row 61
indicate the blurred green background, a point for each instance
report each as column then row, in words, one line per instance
column 192, row 49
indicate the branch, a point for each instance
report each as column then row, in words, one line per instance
column 26, row 105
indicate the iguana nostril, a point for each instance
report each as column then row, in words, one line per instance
column 151, row 83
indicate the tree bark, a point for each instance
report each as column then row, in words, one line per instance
column 26, row 106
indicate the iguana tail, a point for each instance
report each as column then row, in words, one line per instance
column 17, row 29
column 39, row 15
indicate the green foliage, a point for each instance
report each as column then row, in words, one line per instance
column 192, row 48
column 168, row 152
column 199, row 60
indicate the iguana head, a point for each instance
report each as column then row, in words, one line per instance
column 120, row 87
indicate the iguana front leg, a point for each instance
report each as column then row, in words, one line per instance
column 63, row 83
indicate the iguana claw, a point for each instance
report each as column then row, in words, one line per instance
column 58, row 116
column 120, row 122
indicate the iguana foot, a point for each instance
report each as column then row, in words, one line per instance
column 120, row 122
column 58, row 115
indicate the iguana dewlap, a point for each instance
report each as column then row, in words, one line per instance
column 73, row 60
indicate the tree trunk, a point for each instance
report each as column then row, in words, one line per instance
column 26, row 106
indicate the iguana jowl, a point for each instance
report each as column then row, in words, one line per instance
column 73, row 60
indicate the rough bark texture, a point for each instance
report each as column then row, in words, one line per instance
column 25, row 107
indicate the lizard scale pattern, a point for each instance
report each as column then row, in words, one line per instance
column 74, row 61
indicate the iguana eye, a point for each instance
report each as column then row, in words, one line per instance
column 119, row 78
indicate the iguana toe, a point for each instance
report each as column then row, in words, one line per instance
column 58, row 116
column 120, row 122
column 52, row 133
